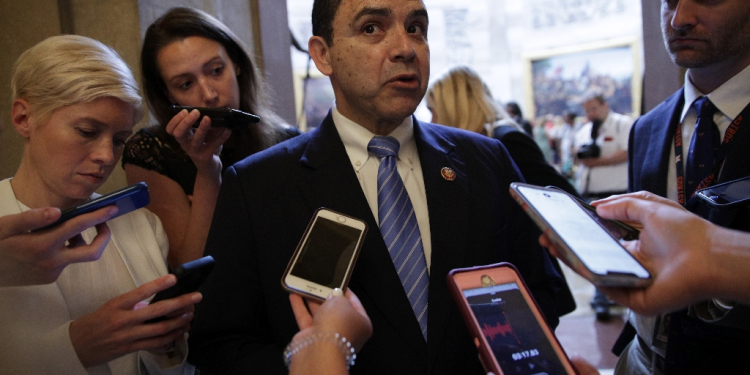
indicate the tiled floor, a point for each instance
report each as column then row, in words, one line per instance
column 581, row 334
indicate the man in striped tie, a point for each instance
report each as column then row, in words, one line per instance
column 435, row 198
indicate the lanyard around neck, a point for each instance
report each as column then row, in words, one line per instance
column 729, row 136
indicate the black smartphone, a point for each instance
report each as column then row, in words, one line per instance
column 325, row 257
column 127, row 199
column 584, row 243
column 190, row 276
column 727, row 195
column 508, row 328
column 221, row 117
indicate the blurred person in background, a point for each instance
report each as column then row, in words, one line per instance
column 460, row 99
column 514, row 110
column 602, row 154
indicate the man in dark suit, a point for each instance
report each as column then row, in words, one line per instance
column 711, row 40
column 377, row 57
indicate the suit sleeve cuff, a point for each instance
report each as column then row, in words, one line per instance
column 173, row 363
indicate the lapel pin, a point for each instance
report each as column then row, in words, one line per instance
column 448, row 174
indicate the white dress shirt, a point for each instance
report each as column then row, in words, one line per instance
column 730, row 98
column 356, row 138
column 613, row 137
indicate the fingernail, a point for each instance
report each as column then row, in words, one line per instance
column 197, row 297
column 171, row 280
column 187, row 315
column 48, row 214
column 112, row 210
column 337, row 292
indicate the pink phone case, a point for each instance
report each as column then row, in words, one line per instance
column 486, row 354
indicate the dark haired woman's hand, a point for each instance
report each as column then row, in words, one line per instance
column 202, row 144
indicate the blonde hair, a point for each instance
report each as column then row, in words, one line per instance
column 459, row 98
column 68, row 69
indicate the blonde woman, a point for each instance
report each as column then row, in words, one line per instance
column 75, row 102
column 459, row 98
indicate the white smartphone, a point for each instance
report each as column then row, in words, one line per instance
column 586, row 246
column 325, row 256
column 509, row 331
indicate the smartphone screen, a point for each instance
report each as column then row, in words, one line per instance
column 325, row 256
column 617, row 229
column 580, row 235
column 507, row 322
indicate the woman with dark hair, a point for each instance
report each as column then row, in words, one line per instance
column 190, row 58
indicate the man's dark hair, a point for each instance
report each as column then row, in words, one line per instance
column 513, row 109
column 570, row 115
column 592, row 94
column 322, row 19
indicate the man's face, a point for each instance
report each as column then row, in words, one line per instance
column 701, row 33
column 595, row 110
column 379, row 59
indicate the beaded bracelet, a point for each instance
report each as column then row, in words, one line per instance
column 340, row 341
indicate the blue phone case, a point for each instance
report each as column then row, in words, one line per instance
column 127, row 199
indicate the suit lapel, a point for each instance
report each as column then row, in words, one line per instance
column 448, row 213
column 658, row 144
column 328, row 180
column 736, row 166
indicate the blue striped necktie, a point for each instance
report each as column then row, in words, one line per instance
column 704, row 145
column 398, row 225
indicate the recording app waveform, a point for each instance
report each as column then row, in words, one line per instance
column 492, row 331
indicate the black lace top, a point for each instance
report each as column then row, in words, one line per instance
column 151, row 149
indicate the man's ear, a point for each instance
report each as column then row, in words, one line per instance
column 20, row 117
column 321, row 54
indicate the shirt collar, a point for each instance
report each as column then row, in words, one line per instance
column 356, row 138
column 730, row 98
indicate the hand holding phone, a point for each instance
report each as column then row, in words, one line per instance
column 584, row 243
column 508, row 328
column 127, row 199
column 221, row 117
column 190, row 276
column 325, row 257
